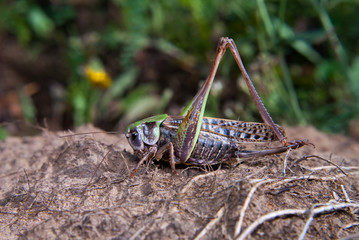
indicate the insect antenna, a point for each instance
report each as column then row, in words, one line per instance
column 103, row 158
column 86, row 133
column 96, row 169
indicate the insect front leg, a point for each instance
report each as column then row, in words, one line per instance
column 167, row 147
column 148, row 156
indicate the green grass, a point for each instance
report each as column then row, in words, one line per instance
column 302, row 55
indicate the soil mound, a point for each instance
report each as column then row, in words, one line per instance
column 78, row 187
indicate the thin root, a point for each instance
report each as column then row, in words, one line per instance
column 289, row 212
column 320, row 158
column 209, row 225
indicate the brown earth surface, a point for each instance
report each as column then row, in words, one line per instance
column 78, row 187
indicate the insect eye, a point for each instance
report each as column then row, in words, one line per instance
column 134, row 136
column 135, row 140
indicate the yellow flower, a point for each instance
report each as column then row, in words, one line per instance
column 98, row 78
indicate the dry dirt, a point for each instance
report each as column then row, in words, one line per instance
column 56, row 188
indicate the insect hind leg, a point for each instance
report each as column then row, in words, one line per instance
column 259, row 153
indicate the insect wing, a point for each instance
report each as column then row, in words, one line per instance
column 239, row 131
column 188, row 131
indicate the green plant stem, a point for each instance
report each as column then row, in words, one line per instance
column 288, row 81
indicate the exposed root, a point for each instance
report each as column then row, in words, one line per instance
column 320, row 158
column 238, row 226
column 288, row 212
column 213, row 222
column 198, row 177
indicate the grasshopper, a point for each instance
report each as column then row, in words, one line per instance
column 197, row 140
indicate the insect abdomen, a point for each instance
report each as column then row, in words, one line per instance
column 209, row 150
column 219, row 139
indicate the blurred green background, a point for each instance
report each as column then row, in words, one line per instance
column 67, row 63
